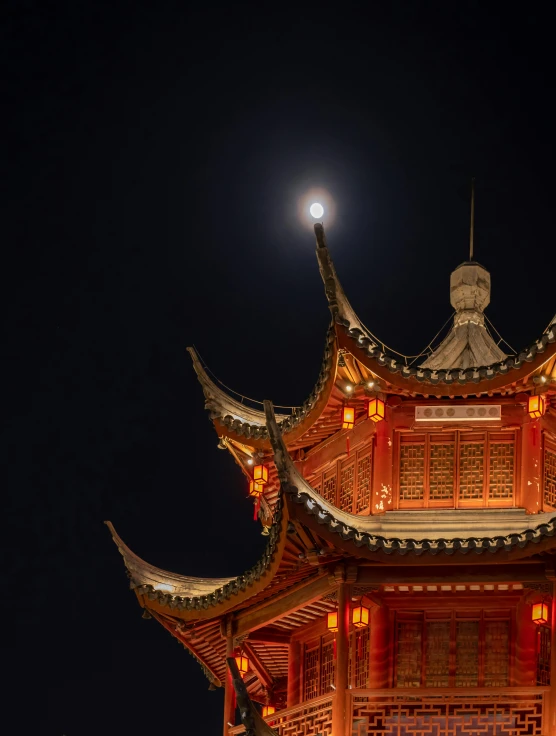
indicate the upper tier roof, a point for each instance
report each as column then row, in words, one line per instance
column 468, row 342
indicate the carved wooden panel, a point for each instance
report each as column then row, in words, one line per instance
column 550, row 477
column 471, row 470
column 467, row 654
column 408, row 664
column 437, row 654
column 305, row 719
column 363, row 496
column 441, row 471
column 311, row 670
column 447, row 714
column 501, row 471
column 412, row 472
column 543, row 655
column 496, row 653
column 329, row 485
column 347, row 484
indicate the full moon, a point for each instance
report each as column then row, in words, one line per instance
column 316, row 210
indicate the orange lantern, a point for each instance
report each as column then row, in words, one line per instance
column 242, row 665
column 360, row 616
column 536, row 406
column 376, row 410
column 260, row 474
column 348, row 417
column 332, row 622
column 540, row 613
column 268, row 710
column 255, row 489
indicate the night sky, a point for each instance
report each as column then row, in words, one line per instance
column 153, row 159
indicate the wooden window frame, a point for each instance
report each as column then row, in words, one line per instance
column 459, row 437
column 548, row 445
column 482, row 616
column 334, row 470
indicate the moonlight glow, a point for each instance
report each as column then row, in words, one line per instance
column 316, row 210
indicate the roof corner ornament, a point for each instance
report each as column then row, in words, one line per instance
column 250, row 716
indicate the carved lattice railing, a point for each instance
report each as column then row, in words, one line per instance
column 448, row 712
column 311, row 718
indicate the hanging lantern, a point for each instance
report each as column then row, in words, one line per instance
column 540, row 613
column 360, row 616
column 376, row 410
column 255, row 489
column 242, row 665
column 332, row 621
column 536, row 406
column 268, row 710
column 348, row 417
column 260, row 474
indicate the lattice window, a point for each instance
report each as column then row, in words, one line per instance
column 408, row 669
column 471, row 470
column 467, row 654
column 550, row 477
column 317, row 485
column 496, row 666
column 311, row 670
column 412, row 472
column 359, row 651
column 327, row 666
column 329, row 485
column 441, row 472
column 347, row 484
column 543, row 655
column 501, row 471
column 437, row 654
column 363, row 501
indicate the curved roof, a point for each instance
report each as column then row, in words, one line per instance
column 245, row 424
column 456, row 381
column 203, row 597
column 446, row 531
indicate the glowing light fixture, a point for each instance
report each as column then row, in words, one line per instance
column 376, row 410
column 349, row 388
column 268, row 710
column 360, row 616
column 348, row 417
column 536, row 406
column 540, row 613
column 242, row 665
column 255, row 489
column 260, row 474
column 316, row 210
column 332, row 621
column 250, row 461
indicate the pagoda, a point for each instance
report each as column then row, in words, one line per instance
column 408, row 584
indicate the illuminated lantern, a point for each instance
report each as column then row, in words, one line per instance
column 536, row 406
column 242, row 665
column 360, row 616
column 332, row 621
column 268, row 710
column 255, row 489
column 348, row 417
column 540, row 613
column 376, row 410
column 260, row 474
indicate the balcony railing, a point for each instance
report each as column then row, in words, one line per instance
column 509, row 711
column 448, row 711
column 311, row 718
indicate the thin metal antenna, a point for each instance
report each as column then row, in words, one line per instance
column 472, row 230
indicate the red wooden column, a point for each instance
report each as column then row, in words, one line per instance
column 339, row 715
column 229, row 693
column 294, row 671
column 530, row 492
column 525, row 669
column 382, row 497
column 379, row 648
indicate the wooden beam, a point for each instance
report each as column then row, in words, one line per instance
column 279, row 606
column 269, row 636
column 516, row 573
column 257, row 665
